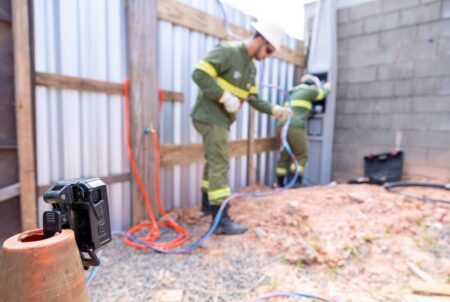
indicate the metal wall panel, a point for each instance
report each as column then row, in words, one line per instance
column 81, row 134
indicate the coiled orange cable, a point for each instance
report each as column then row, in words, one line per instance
column 153, row 226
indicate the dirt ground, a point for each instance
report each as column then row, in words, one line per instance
column 345, row 242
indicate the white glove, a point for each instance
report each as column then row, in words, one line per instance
column 230, row 102
column 327, row 85
column 281, row 113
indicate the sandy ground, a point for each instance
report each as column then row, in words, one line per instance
column 365, row 242
column 353, row 243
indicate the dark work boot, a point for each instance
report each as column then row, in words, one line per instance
column 226, row 225
column 298, row 181
column 280, row 181
column 206, row 209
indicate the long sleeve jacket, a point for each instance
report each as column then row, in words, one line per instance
column 302, row 97
column 227, row 67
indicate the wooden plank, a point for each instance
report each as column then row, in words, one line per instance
column 184, row 15
column 251, row 171
column 9, row 192
column 430, row 288
column 75, row 83
column 142, row 67
column 24, row 113
column 67, row 82
column 172, row 155
column 109, row 180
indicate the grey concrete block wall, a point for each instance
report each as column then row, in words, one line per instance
column 394, row 86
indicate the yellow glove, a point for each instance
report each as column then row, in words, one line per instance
column 230, row 102
column 281, row 113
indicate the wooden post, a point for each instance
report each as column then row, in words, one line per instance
column 144, row 111
column 24, row 112
column 251, row 172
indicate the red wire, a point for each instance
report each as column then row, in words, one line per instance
column 153, row 229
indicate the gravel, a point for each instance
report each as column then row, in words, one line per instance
column 213, row 272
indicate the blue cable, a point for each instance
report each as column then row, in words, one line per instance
column 287, row 294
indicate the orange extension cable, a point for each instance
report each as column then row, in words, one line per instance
column 153, row 226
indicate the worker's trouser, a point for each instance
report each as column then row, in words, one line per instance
column 297, row 140
column 215, row 173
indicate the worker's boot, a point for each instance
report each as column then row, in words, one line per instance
column 298, row 181
column 226, row 225
column 206, row 209
column 280, row 181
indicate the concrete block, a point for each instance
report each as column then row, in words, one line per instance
column 404, row 70
column 350, row 29
column 412, row 171
column 374, row 121
column 443, row 122
column 398, row 37
column 402, row 121
column 393, row 105
column 445, row 9
column 442, row 86
column 365, row 10
column 420, row 14
column 351, row 107
column 428, row 1
column 348, row 91
column 382, row 22
column 416, row 156
column 444, row 48
column 349, row 60
column 424, row 86
column 359, row 75
column 389, row 5
column 343, row 15
column 377, row 90
column 363, row 43
column 344, row 121
column 438, row 157
column 426, row 139
column 423, row 50
column 433, row 68
column 403, row 88
column 375, row 57
column 436, row 104
column 434, row 30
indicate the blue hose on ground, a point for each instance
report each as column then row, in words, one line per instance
column 286, row 294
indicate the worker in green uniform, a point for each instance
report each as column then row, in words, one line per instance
column 226, row 78
column 302, row 97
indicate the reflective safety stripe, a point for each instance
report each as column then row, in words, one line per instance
column 281, row 171
column 205, row 184
column 254, row 90
column 292, row 168
column 234, row 90
column 224, row 84
column 206, row 67
column 219, row 194
column 320, row 95
column 299, row 103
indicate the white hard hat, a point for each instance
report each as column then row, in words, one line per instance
column 310, row 79
column 272, row 32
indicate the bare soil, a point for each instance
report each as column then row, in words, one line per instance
column 349, row 242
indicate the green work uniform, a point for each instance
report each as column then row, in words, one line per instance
column 302, row 97
column 227, row 67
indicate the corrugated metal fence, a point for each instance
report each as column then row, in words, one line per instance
column 81, row 134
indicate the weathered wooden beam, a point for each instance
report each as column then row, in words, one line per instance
column 9, row 192
column 68, row 82
column 144, row 101
column 172, row 155
column 251, row 171
column 197, row 20
column 24, row 112
column 109, row 180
